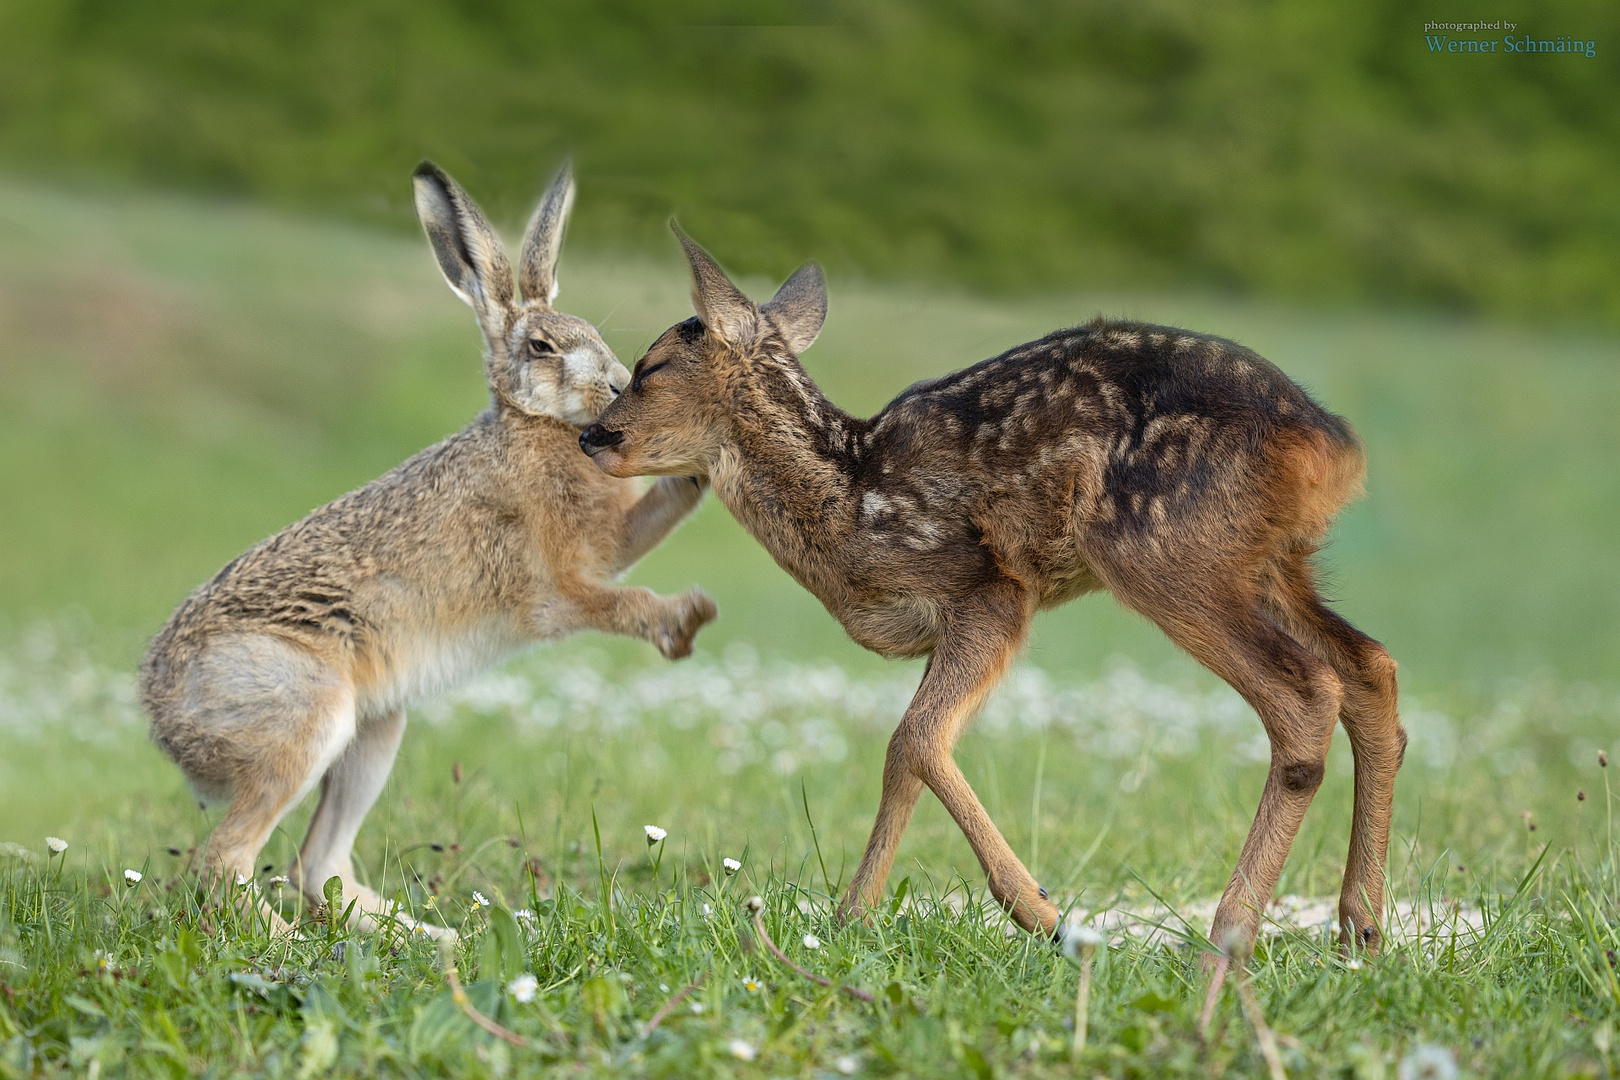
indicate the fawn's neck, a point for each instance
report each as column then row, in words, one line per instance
column 789, row 475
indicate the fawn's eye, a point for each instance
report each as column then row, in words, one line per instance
column 540, row 347
column 642, row 373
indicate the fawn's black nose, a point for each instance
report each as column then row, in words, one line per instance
column 596, row 437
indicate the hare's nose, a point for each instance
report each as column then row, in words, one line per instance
column 596, row 437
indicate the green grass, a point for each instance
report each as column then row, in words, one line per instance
column 179, row 379
column 1116, row 791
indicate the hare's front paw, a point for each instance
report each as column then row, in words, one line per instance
column 685, row 490
column 683, row 616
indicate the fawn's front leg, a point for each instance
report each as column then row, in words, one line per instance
column 669, row 622
column 660, row 509
column 971, row 657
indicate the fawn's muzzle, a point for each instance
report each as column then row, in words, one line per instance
column 597, row 438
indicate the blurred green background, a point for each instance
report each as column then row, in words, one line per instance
column 1314, row 151
column 216, row 312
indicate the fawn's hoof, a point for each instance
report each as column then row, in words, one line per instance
column 1358, row 933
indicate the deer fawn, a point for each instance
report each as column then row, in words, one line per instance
column 295, row 663
column 1182, row 473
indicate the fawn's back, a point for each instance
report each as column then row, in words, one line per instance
column 1110, row 432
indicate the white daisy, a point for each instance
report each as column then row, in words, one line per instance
column 523, row 988
column 132, row 877
column 278, row 881
column 526, row 914
column 654, row 834
column 847, row 1065
column 1080, row 938
column 811, row 941
column 479, row 899
column 1428, row 1062
column 742, row 1051
column 731, row 865
column 56, row 844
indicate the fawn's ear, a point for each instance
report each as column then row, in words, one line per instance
column 799, row 307
column 723, row 309
column 542, row 241
column 469, row 252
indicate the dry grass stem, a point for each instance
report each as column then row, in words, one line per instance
column 756, row 905
column 457, row 992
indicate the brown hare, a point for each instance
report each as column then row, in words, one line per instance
column 1180, row 472
column 295, row 663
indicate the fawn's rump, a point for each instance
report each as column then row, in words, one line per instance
column 1254, row 494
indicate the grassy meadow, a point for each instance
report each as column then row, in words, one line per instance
column 178, row 379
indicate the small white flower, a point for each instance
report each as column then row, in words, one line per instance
column 278, row 881
column 523, row 988
column 811, row 941
column 742, row 1051
column 847, row 1065
column 132, row 877
column 752, row 985
column 103, row 960
column 241, row 879
column 654, row 834
column 479, row 900
column 1428, row 1062
column 1352, row 964
column 526, row 914
column 707, row 911
column 697, row 1008
column 1076, row 939
column 663, row 988
column 731, row 865
column 56, row 844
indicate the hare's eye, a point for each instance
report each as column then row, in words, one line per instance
column 540, row 347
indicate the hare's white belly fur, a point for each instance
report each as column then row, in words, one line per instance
column 423, row 662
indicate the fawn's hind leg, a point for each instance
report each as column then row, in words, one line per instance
column 1297, row 697
column 1372, row 721
column 348, row 791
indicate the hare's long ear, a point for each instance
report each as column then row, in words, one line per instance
column 799, row 307
column 468, row 250
column 720, row 305
column 542, row 241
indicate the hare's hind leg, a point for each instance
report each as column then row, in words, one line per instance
column 283, row 760
column 348, row 791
